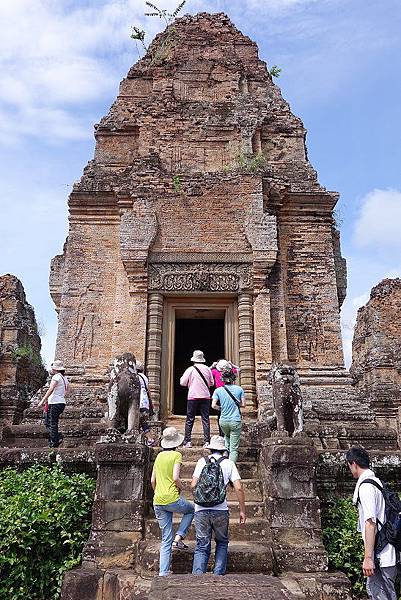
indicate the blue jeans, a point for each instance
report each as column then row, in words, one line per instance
column 207, row 521
column 164, row 515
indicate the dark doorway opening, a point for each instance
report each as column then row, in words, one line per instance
column 194, row 334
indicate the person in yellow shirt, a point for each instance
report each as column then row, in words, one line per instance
column 167, row 497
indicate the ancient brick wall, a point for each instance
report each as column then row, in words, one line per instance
column 376, row 350
column 200, row 184
column 21, row 369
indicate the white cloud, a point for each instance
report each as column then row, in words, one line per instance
column 58, row 60
column 378, row 223
column 348, row 321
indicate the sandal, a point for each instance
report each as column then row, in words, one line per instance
column 180, row 545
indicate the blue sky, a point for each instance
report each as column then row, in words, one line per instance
column 61, row 63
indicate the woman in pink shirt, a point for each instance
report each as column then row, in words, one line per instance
column 198, row 379
column 218, row 367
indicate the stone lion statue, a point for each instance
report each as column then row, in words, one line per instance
column 123, row 394
column 287, row 399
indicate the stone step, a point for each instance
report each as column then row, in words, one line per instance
column 29, row 435
column 231, row 587
column 243, row 557
column 247, row 470
column 89, row 414
column 192, row 455
column 253, row 529
column 253, row 509
column 252, row 489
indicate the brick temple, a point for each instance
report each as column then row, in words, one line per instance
column 200, row 223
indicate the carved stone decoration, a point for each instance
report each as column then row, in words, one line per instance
column 287, row 400
column 123, row 394
column 88, row 322
column 200, row 277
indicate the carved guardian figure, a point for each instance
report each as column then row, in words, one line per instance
column 287, row 399
column 123, row 394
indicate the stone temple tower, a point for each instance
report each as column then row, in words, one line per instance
column 200, row 223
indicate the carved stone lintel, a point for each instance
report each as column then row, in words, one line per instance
column 200, row 277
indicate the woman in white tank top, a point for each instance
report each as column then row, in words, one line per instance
column 55, row 398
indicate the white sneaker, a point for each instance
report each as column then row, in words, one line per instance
column 187, row 445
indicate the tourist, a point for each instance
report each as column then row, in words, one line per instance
column 228, row 399
column 55, row 398
column 167, row 499
column 218, row 367
column 380, row 569
column 145, row 405
column 198, row 378
column 215, row 519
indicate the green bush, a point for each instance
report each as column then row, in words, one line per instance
column 343, row 543
column 44, row 523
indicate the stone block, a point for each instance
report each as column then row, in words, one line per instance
column 210, row 587
column 120, row 481
column 321, row 586
column 300, row 560
column 135, row 454
column 82, row 583
column 294, row 513
column 117, row 515
column 296, row 537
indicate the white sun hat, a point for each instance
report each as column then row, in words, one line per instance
column 217, row 443
column 58, row 365
column 198, row 356
column 171, row 438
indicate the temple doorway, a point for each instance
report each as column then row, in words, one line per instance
column 203, row 333
column 207, row 324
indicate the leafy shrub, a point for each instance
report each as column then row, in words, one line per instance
column 44, row 523
column 343, row 544
column 26, row 351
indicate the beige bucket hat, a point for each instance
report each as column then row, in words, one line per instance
column 57, row 365
column 171, row 438
column 223, row 365
column 198, row 356
column 216, row 443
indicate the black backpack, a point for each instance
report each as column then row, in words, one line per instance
column 390, row 531
column 210, row 489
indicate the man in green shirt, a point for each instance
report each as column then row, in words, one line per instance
column 167, row 499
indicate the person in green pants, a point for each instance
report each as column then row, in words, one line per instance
column 229, row 399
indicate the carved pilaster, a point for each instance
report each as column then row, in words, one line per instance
column 137, row 232
column 154, row 346
column 246, row 345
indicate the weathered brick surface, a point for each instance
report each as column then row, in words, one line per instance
column 21, row 369
column 200, row 184
column 376, row 351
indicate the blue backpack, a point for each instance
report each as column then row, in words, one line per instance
column 390, row 531
column 210, row 489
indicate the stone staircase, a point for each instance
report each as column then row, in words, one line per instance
column 250, row 544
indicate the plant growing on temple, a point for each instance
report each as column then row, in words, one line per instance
column 44, row 523
column 343, row 545
column 275, row 71
column 168, row 17
column 248, row 161
column 177, row 183
column 27, row 352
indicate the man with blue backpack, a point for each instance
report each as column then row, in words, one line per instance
column 380, row 525
column 211, row 476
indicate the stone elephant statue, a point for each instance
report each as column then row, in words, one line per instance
column 123, row 394
column 287, row 399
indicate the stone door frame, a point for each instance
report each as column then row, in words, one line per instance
column 173, row 305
